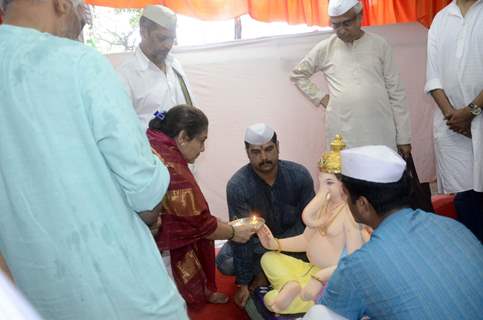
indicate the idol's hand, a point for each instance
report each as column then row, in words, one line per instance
column 267, row 239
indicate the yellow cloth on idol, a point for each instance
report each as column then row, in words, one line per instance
column 280, row 269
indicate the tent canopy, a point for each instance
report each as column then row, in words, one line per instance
column 310, row 12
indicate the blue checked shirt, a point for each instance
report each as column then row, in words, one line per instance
column 281, row 206
column 417, row 265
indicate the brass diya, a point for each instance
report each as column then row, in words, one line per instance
column 255, row 221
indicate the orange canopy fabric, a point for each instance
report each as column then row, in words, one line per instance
column 201, row 9
column 310, row 12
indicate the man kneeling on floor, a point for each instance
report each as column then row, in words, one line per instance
column 278, row 191
column 416, row 265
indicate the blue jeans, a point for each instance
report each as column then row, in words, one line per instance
column 224, row 260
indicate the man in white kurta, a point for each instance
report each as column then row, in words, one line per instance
column 154, row 78
column 75, row 170
column 367, row 103
column 455, row 80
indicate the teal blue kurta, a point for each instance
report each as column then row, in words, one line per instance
column 75, row 167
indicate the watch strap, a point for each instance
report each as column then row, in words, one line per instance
column 475, row 109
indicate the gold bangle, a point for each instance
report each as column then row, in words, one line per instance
column 232, row 233
column 279, row 249
column 313, row 276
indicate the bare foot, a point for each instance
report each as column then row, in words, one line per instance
column 273, row 308
column 288, row 293
column 218, row 298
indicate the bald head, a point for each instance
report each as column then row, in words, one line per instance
column 63, row 18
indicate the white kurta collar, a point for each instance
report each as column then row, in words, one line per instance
column 454, row 10
column 355, row 42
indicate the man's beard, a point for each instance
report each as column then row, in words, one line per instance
column 161, row 57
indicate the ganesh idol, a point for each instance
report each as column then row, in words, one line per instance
column 330, row 234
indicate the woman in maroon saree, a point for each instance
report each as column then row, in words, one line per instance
column 188, row 229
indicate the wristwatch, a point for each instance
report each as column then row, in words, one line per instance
column 475, row 110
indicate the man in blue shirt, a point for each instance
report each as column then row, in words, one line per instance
column 274, row 189
column 416, row 265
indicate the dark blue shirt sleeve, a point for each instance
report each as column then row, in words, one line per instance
column 243, row 254
column 306, row 193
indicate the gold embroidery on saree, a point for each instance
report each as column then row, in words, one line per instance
column 189, row 266
column 183, row 202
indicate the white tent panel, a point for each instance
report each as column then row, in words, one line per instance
column 243, row 82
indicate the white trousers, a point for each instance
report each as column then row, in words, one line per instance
column 13, row 306
column 321, row 312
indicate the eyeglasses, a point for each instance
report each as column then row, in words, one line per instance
column 345, row 23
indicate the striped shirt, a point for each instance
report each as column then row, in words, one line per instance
column 416, row 266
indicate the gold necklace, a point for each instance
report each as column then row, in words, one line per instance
column 323, row 229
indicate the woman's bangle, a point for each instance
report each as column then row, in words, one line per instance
column 232, row 232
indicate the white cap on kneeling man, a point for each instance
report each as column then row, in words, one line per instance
column 258, row 134
column 378, row 164
column 339, row 7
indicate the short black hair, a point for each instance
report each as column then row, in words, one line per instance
column 382, row 196
column 274, row 140
column 182, row 117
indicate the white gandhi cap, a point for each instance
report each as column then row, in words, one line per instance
column 339, row 7
column 258, row 134
column 161, row 15
column 378, row 164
